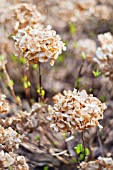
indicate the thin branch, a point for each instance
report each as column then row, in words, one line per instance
column 10, row 86
column 83, row 141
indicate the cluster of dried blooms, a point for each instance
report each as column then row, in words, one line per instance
column 24, row 122
column 38, row 44
column 26, row 14
column 20, row 15
column 9, row 139
column 100, row 164
column 4, row 106
column 102, row 12
column 16, row 17
column 104, row 54
column 73, row 10
column 77, row 11
column 75, row 110
column 13, row 161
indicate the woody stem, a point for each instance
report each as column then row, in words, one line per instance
column 83, row 141
column 40, row 78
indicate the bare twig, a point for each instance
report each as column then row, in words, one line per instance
column 100, row 144
column 80, row 73
column 10, row 86
column 83, row 141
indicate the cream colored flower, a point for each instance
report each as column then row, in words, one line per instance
column 103, row 12
column 20, row 163
column 26, row 14
column 25, row 121
column 104, row 54
column 39, row 45
column 4, row 106
column 13, row 160
column 75, row 111
column 6, row 159
column 9, row 139
column 74, row 10
column 99, row 164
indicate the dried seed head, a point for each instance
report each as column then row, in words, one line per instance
column 9, row 139
column 104, row 54
column 103, row 12
column 74, row 10
column 75, row 111
column 26, row 14
column 99, row 164
column 25, row 122
column 39, row 45
column 4, row 106
column 13, row 160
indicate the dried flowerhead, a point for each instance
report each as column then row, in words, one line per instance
column 104, row 54
column 99, row 164
column 75, row 110
column 5, row 159
column 26, row 14
column 103, row 12
column 74, row 10
column 9, row 139
column 12, row 160
column 4, row 106
column 26, row 122
column 38, row 45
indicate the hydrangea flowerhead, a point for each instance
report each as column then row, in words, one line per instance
column 39, row 45
column 8, row 159
column 75, row 110
column 104, row 54
column 26, row 14
column 27, row 121
column 9, row 139
column 4, row 106
column 100, row 164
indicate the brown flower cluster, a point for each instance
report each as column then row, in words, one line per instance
column 24, row 122
column 102, row 12
column 14, row 17
column 82, row 11
column 9, row 139
column 13, row 161
column 74, row 10
column 99, row 164
column 39, row 44
column 75, row 111
column 104, row 54
column 4, row 106
column 26, row 14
